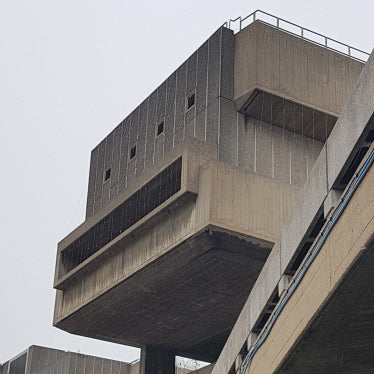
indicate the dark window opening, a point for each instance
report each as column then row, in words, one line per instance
column 370, row 137
column 132, row 152
column 190, row 100
column 317, row 227
column 263, row 321
column 300, row 257
column 107, row 174
column 143, row 201
column 354, row 165
column 160, row 128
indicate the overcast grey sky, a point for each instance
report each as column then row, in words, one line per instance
column 70, row 71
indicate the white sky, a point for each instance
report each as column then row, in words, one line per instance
column 70, row 71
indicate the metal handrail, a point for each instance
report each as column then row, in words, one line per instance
column 255, row 16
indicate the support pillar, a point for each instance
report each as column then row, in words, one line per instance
column 156, row 361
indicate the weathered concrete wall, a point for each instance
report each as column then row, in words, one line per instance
column 293, row 68
column 51, row 361
column 209, row 74
column 42, row 360
column 274, row 152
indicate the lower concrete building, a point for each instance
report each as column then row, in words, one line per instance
column 42, row 360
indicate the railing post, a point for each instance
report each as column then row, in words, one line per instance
column 277, row 23
column 302, row 32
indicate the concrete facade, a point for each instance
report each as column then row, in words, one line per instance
column 313, row 199
column 189, row 226
column 42, row 360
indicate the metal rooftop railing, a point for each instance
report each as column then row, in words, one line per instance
column 239, row 23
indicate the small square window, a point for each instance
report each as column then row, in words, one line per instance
column 132, row 152
column 160, row 128
column 107, row 174
column 190, row 100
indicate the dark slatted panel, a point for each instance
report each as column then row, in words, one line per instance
column 138, row 205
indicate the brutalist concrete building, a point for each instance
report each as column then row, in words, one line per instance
column 42, row 360
column 197, row 217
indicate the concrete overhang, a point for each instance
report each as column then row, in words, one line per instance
column 178, row 277
column 289, row 67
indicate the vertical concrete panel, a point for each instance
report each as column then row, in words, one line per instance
column 246, row 143
column 100, row 170
column 89, row 365
column 180, row 104
column 268, row 53
column 200, row 122
column 201, row 91
column 300, row 69
column 169, row 114
column 228, row 132
column 152, row 115
column 106, row 192
column 116, row 367
column 92, row 180
column 298, row 159
column 286, row 64
column 133, row 139
column 161, row 101
column 281, row 154
column 263, row 148
column 245, row 61
column 227, row 64
column 159, row 140
column 109, row 149
column 140, row 148
column 114, row 178
column 325, row 86
column 98, row 366
column 80, row 364
column 191, row 73
column 212, row 123
column 124, row 154
column 214, row 66
column 190, row 127
column 73, row 363
column 159, row 147
column 107, row 366
column 201, row 88
column 124, row 368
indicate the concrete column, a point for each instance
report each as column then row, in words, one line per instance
column 156, row 361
